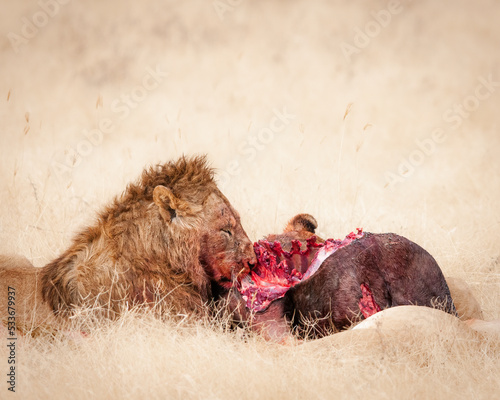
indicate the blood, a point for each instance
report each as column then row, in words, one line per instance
column 367, row 304
column 278, row 270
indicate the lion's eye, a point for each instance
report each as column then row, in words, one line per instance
column 227, row 232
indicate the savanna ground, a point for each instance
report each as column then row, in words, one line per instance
column 387, row 120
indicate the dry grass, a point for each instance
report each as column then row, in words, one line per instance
column 142, row 356
column 354, row 120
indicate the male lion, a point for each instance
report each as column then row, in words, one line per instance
column 169, row 240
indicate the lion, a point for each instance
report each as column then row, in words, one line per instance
column 169, row 241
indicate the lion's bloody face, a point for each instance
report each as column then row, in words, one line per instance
column 226, row 250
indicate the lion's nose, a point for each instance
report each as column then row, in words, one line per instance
column 248, row 264
column 249, row 259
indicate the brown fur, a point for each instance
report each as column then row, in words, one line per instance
column 466, row 304
column 166, row 241
column 23, row 279
column 301, row 227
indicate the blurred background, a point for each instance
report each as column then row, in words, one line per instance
column 382, row 115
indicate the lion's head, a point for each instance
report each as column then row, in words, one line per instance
column 225, row 251
column 301, row 227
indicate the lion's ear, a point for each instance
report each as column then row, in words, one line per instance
column 302, row 222
column 170, row 206
column 166, row 202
